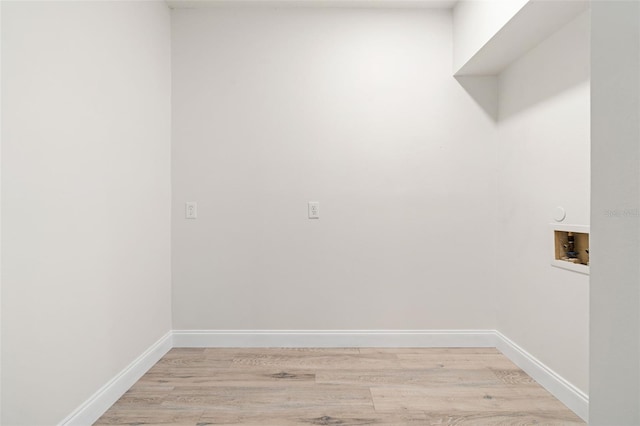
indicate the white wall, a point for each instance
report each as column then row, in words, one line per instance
column 543, row 156
column 356, row 109
column 615, row 276
column 85, row 198
column 0, row 215
column 271, row 109
column 476, row 22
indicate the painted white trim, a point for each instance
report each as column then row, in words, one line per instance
column 395, row 4
column 575, row 267
column 583, row 229
column 107, row 395
column 96, row 405
column 566, row 392
column 333, row 338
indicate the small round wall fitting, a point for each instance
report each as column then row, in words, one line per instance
column 559, row 214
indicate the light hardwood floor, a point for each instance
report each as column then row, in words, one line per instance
column 452, row 386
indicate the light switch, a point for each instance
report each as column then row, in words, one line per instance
column 314, row 210
column 191, row 210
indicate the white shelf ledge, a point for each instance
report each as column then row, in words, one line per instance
column 537, row 20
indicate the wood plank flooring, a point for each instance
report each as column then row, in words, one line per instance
column 366, row 386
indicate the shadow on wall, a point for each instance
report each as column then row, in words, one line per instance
column 559, row 63
column 484, row 90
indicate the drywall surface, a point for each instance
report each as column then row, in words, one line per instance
column 0, row 216
column 85, row 198
column 615, row 230
column 543, row 138
column 476, row 22
column 356, row 109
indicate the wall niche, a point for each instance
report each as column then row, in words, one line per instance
column 571, row 247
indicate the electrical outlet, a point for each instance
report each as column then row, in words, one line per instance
column 314, row 210
column 191, row 210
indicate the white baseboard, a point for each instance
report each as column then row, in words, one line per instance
column 107, row 395
column 566, row 392
column 95, row 406
column 332, row 338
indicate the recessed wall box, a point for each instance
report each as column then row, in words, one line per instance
column 571, row 247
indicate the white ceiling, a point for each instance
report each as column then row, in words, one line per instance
column 426, row 4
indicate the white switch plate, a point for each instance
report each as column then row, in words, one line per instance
column 190, row 210
column 314, row 210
